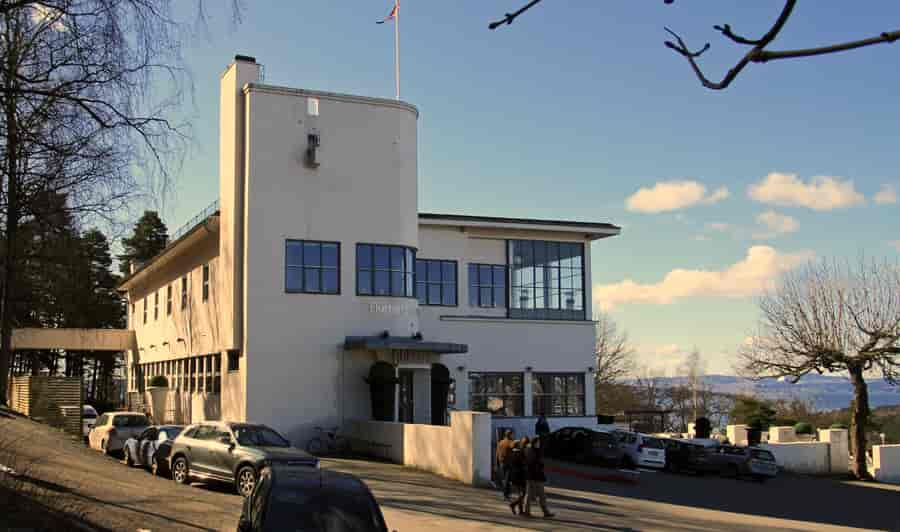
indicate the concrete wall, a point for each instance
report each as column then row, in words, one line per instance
column 782, row 434
column 838, row 441
column 886, row 463
column 801, row 457
column 737, row 434
column 461, row 451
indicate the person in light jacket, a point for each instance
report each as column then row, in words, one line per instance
column 535, row 478
column 504, row 452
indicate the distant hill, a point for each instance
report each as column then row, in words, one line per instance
column 825, row 391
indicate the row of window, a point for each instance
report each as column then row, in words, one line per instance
column 201, row 373
column 503, row 394
column 205, row 291
column 543, row 279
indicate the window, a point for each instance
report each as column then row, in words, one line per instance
column 145, row 309
column 205, row 282
column 558, row 394
column 234, row 359
column 384, row 270
column 312, row 267
column 436, row 282
column 156, row 305
column 501, row 394
column 169, row 300
column 547, row 280
column 184, row 292
column 487, row 285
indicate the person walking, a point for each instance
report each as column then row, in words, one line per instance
column 535, row 478
column 542, row 427
column 504, row 452
column 518, row 476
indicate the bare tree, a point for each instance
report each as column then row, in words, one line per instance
column 829, row 317
column 758, row 52
column 694, row 368
column 614, row 357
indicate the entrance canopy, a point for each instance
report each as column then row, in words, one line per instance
column 74, row 339
column 400, row 343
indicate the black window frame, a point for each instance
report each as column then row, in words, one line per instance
column 303, row 267
column 169, row 299
column 541, row 400
column 517, row 398
column 145, row 310
column 407, row 271
column 234, row 360
column 206, row 277
column 156, row 305
column 184, row 292
column 546, row 312
column 477, row 285
column 439, row 282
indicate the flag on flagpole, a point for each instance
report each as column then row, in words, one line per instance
column 392, row 15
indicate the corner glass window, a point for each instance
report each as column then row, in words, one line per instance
column 501, row 394
column 557, row 394
column 312, row 267
column 436, row 282
column 487, row 285
column 547, row 280
column 383, row 270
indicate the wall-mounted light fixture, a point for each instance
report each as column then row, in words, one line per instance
column 590, row 369
column 527, row 368
column 179, row 340
column 165, row 343
column 460, row 368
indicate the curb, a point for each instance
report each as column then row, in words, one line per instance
column 619, row 475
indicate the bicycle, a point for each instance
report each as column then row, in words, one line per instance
column 328, row 441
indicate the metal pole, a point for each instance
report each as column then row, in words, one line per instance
column 397, row 46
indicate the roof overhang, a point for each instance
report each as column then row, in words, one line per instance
column 590, row 230
column 379, row 343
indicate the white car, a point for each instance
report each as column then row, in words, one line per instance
column 144, row 449
column 88, row 417
column 113, row 428
column 642, row 450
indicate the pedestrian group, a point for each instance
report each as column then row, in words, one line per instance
column 521, row 470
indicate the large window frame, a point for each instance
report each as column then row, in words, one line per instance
column 145, row 310
column 169, row 299
column 307, row 258
column 488, row 285
column 486, row 388
column 397, row 272
column 437, row 282
column 547, row 280
column 206, row 277
column 156, row 305
column 184, row 292
column 558, row 394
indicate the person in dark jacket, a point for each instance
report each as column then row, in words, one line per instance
column 504, row 450
column 542, row 428
column 518, row 475
column 535, row 478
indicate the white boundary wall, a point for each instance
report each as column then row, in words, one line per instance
column 801, row 457
column 461, row 451
column 886, row 463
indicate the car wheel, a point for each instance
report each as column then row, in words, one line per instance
column 129, row 461
column 181, row 472
column 245, row 481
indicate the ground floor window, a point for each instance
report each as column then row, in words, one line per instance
column 557, row 394
column 501, row 394
column 201, row 373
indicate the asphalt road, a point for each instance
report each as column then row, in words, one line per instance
column 114, row 497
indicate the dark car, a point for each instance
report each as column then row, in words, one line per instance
column 232, row 452
column 144, row 449
column 159, row 464
column 583, row 445
column 736, row 461
column 313, row 500
column 687, row 457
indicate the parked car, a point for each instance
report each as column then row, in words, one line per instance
column 231, row 452
column 687, row 456
column 313, row 500
column 112, row 429
column 88, row 418
column 584, row 445
column 143, row 450
column 641, row 450
column 736, row 461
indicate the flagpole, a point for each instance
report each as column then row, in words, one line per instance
column 397, row 46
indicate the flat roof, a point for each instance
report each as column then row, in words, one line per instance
column 598, row 228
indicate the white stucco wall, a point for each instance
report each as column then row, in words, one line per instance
column 886, row 463
column 838, row 441
column 782, row 434
column 801, row 457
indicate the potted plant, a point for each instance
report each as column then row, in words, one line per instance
column 159, row 393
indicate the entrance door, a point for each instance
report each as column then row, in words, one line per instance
column 405, row 414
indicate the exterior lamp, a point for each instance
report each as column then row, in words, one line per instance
column 460, row 368
column 527, row 368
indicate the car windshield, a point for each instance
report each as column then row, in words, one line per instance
column 131, row 420
column 762, row 455
column 259, row 436
column 169, row 433
column 322, row 511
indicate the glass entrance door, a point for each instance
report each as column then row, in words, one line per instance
column 405, row 413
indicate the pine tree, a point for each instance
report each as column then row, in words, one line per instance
column 150, row 236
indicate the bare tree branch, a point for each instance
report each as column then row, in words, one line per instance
column 510, row 17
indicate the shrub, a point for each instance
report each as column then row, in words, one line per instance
column 838, row 426
column 785, row 422
column 702, row 427
column 803, row 428
column 159, row 381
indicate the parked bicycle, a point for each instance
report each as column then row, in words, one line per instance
column 328, row 441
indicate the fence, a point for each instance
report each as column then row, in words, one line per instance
column 54, row 400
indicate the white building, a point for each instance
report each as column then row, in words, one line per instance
column 274, row 305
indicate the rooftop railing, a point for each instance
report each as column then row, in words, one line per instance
column 211, row 209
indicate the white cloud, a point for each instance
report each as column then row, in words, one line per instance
column 672, row 196
column 756, row 272
column 822, row 193
column 887, row 195
column 667, row 350
column 775, row 224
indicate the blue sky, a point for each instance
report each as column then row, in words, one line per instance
column 576, row 107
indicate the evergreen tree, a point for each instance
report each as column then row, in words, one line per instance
column 150, row 236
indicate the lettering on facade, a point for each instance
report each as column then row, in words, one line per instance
column 388, row 308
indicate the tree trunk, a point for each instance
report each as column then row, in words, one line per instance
column 12, row 220
column 859, row 421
